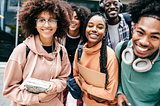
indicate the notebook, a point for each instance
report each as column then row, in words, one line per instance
column 92, row 77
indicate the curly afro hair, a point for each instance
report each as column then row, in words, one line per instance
column 144, row 8
column 32, row 8
column 82, row 12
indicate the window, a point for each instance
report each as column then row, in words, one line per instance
column 13, row 4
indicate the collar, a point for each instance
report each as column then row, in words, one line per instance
column 73, row 37
column 122, row 21
column 93, row 50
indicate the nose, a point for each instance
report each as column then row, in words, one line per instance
column 112, row 6
column 144, row 41
column 94, row 29
column 46, row 23
column 73, row 19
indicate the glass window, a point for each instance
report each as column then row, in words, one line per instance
column 13, row 4
column 8, row 28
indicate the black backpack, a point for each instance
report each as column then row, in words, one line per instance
column 128, row 21
column 124, row 45
column 72, row 86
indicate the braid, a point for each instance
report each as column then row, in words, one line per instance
column 103, row 50
column 103, row 59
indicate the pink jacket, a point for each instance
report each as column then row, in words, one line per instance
column 18, row 68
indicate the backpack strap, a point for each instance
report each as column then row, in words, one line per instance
column 124, row 45
column 61, row 53
column 127, row 18
column 158, row 103
column 80, row 50
column 27, row 51
column 30, row 73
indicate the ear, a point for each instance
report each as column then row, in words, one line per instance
column 106, row 30
column 135, row 26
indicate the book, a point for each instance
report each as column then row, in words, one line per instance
column 92, row 77
column 36, row 86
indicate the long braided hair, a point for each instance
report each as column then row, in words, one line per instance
column 103, row 50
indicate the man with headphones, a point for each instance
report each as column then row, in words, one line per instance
column 139, row 83
column 117, row 27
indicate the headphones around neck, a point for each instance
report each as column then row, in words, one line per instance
column 139, row 65
column 101, row 6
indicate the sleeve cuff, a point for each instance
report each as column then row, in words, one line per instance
column 119, row 91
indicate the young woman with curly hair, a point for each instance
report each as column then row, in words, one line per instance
column 140, row 73
column 42, row 21
column 73, row 38
column 97, row 56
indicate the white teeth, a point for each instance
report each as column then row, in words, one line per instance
column 73, row 24
column 142, row 49
column 112, row 12
column 46, row 30
column 93, row 35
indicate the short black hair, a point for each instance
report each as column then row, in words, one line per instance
column 144, row 8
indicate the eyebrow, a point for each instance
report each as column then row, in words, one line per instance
column 156, row 33
column 98, row 24
column 44, row 17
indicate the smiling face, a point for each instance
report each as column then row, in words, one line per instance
column 111, row 8
column 75, row 22
column 146, row 36
column 95, row 30
column 47, row 30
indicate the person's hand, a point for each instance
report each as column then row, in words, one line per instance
column 122, row 98
column 42, row 97
column 81, row 79
column 52, row 89
column 48, row 93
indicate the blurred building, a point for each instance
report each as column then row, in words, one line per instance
column 9, row 37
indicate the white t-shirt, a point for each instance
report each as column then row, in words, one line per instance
column 114, row 34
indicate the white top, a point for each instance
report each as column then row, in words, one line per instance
column 114, row 35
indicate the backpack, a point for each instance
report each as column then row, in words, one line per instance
column 128, row 21
column 124, row 45
column 72, row 86
column 27, row 51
